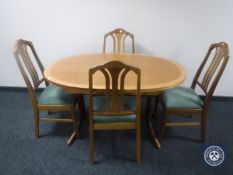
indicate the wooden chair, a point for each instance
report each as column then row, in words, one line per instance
column 52, row 98
column 119, row 36
column 111, row 108
column 185, row 101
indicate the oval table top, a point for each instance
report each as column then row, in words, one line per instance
column 157, row 74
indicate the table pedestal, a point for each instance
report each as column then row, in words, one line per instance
column 152, row 103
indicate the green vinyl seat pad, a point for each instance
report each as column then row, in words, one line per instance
column 114, row 119
column 54, row 95
column 99, row 103
column 181, row 98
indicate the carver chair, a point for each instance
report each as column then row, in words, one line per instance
column 119, row 37
column 185, row 101
column 52, row 98
column 111, row 108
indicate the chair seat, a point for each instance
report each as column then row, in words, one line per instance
column 114, row 119
column 181, row 98
column 99, row 103
column 53, row 95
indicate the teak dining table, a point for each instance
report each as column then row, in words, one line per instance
column 157, row 75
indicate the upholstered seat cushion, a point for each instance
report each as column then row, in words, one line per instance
column 99, row 105
column 181, row 98
column 114, row 119
column 53, row 95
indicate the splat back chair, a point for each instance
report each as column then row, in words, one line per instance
column 185, row 101
column 119, row 37
column 52, row 98
column 111, row 108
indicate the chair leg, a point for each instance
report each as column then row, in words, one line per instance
column 163, row 126
column 36, row 120
column 91, row 144
column 74, row 118
column 138, row 144
column 203, row 126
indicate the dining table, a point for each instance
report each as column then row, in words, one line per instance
column 157, row 75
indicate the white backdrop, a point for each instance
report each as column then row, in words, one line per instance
column 177, row 29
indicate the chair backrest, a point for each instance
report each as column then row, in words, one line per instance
column 119, row 36
column 114, row 73
column 211, row 69
column 23, row 51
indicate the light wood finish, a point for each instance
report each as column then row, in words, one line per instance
column 157, row 73
column 119, row 36
column 115, row 73
column 27, row 68
column 183, row 124
column 63, row 120
column 115, row 126
column 218, row 54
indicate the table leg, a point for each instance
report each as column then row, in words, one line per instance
column 152, row 103
column 71, row 139
column 81, row 108
column 82, row 112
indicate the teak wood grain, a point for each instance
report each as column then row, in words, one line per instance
column 24, row 60
column 119, row 37
column 215, row 62
column 157, row 73
column 115, row 73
